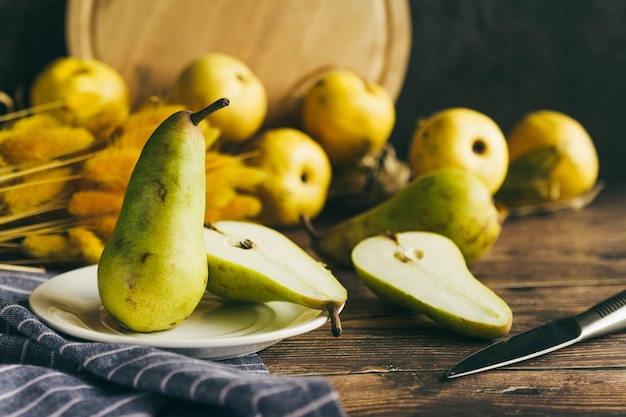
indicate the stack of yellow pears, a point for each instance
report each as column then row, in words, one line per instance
column 339, row 136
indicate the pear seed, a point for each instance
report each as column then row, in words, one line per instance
column 402, row 257
column 246, row 244
column 409, row 256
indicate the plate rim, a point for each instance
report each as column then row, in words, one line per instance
column 40, row 308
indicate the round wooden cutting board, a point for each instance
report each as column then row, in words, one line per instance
column 285, row 42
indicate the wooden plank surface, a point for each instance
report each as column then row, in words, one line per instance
column 391, row 362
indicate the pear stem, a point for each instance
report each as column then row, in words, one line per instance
column 198, row 116
column 313, row 233
column 335, row 321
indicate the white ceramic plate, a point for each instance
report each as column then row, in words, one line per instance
column 217, row 329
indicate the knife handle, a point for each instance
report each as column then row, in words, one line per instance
column 606, row 317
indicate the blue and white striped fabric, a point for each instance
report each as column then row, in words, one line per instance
column 43, row 373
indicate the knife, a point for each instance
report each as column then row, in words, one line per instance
column 606, row 317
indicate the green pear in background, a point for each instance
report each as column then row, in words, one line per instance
column 452, row 202
column 153, row 271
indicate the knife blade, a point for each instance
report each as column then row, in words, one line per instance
column 606, row 317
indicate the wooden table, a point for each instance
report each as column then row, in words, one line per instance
column 391, row 362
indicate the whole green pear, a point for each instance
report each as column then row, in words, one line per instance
column 153, row 271
column 449, row 201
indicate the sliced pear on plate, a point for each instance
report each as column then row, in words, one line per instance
column 250, row 262
column 426, row 272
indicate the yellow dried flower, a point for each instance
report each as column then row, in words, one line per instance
column 112, row 167
column 151, row 114
column 133, row 139
column 38, row 188
column 228, row 180
column 217, row 195
column 104, row 225
column 241, row 178
column 35, row 122
column 50, row 246
column 231, row 171
column 212, row 215
column 96, row 200
column 211, row 133
column 214, row 160
column 90, row 245
column 136, row 130
column 94, row 203
column 41, row 138
column 237, row 208
column 242, row 207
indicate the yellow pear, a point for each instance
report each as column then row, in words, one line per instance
column 89, row 92
column 297, row 176
column 553, row 158
column 460, row 138
column 215, row 75
column 349, row 116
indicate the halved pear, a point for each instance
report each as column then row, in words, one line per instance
column 254, row 263
column 426, row 272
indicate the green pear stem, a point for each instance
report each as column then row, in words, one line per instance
column 392, row 236
column 246, row 244
column 198, row 116
column 335, row 321
column 398, row 253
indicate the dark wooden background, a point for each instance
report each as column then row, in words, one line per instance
column 501, row 57
column 504, row 58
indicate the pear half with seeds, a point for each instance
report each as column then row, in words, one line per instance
column 426, row 272
column 251, row 262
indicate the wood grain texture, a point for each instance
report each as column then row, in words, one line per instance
column 287, row 43
column 533, row 393
column 392, row 362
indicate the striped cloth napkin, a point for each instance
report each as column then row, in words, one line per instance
column 44, row 373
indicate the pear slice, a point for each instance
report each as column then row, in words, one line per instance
column 426, row 272
column 250, row 262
